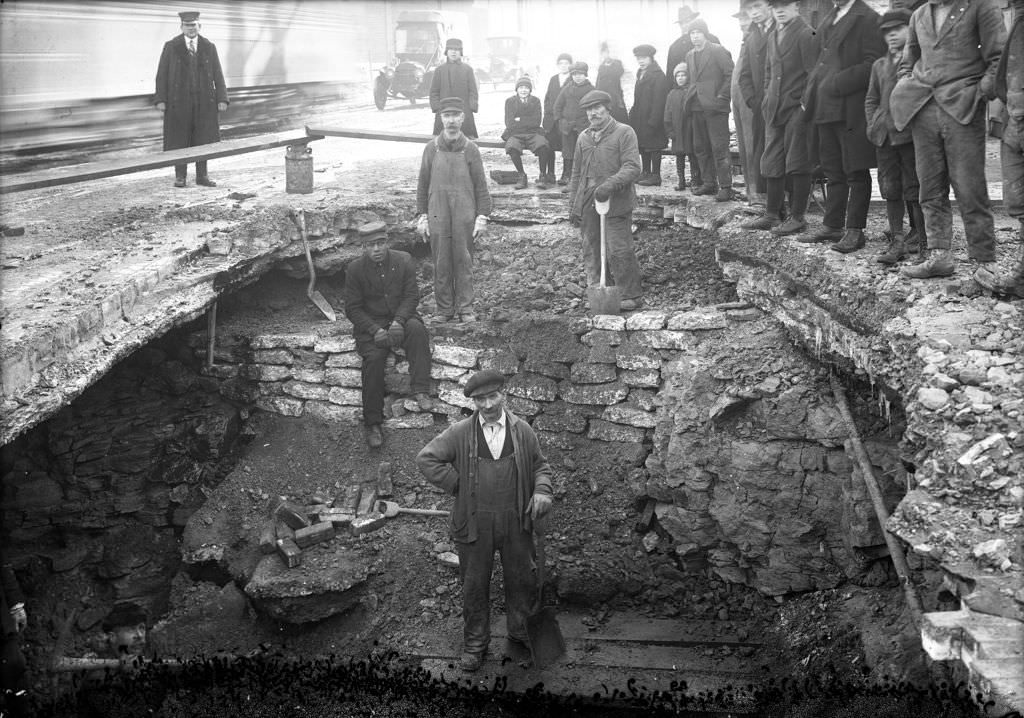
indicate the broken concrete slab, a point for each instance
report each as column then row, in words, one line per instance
column 325, row 584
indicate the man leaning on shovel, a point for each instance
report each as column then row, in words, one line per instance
column 492, row 463
column 607, row 164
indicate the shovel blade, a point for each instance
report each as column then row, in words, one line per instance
column 323, row 305
column 545, row 636
column 604, row 300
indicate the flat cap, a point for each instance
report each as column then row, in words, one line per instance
column 453, row 43
column 524, row 81
column 894, row 18
column 452, row 104
column 372, row 230
column 564, row 56
column 188, row 16
column 644, row 51
column 595, row 97
column 579, row 66
column 484, row 382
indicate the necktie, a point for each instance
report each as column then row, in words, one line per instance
column 192, row 45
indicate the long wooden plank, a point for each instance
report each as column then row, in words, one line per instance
column 112, row 168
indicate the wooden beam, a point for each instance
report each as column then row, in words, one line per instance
column 357, row 134
column 156, row 160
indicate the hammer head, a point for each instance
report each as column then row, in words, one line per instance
column 388, row 508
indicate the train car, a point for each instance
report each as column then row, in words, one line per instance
column 76, row 73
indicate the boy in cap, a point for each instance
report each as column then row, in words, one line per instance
column 786, row 161
column 608, row 165
column 709, row 101
column 570, row 116
column 453, row 204
column 897, row 174
column 190, row 92
column 550, row 124
column 647, row 115
column 679, row 49
column 455, row 78
column 523, row 131
column 493, row 464
column 677, row 124
column 380, row 300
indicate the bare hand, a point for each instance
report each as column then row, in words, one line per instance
column 222, row 107
column 423, row 227
column 381, row 338
column 479, row 226
column 539, row 506
column 20, row 618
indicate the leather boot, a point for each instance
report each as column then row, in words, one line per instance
column 523, row 182
column 765, row 221
column 794, row 224
column 1011, row 284
column 825, row 234
column 851, row 241
column 896, row 251
column 566, row 172
column 939, row 263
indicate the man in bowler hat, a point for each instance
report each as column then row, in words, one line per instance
column 455, row 79
column 190, row 92
column 493, row 464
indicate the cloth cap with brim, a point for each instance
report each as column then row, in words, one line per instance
column 188, row 16
column 372, row 230
column 894, row 18
column 681, row 67
column 453, row 43
column 452, row 104
column 579, row 66
column 686, row 14
column 594, row 98
column 524, row 81
column 564, row 56
column 644, row 51
column 484, row 382
column 698, row 25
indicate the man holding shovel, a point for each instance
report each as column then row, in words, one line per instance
column 493, row 465
column 607, row 165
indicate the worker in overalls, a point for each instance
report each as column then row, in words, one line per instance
column 492, row 463
column 453, row 203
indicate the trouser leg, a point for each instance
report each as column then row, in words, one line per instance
column 933, row 177
column 517, row 567
column 718, row 135
column 417, row 350
column 894, row 216
column 374, row 360
column 441, row 253
column 476, row 562
column 702, row 144
column 201, row 169
column 622, row 261
column 830, row 154
column 180, row 172
column 656, row 163
column 681, row 170
column 462, row 264
column 517, row 160
column 645, row 162
column 590, row 235
column 966, row 148
column 546, row 160
column 800, row 193
column 776, row 187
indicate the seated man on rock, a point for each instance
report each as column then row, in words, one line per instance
column 380, row 300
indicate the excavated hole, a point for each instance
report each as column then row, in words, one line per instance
column 716, row 483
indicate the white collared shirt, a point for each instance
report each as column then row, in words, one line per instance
column 841, row 12
column 494, row 433
column 192, row 43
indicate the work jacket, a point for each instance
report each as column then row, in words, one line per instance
column 454, row 79
column 522, row 118
column 876, row 105
column 450, row 461
column 710, row 83
column 373, row 301
column 555, row 86
column 787, row 66
column 568, row 113
column 610, row 156
column 752, row 61
column 191, row 115
column 1010, row 84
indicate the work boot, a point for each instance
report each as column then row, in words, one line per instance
column 825, row 234
column 705, row 190
column 566, row 172
column 523, row 182
column 651, row 180
column 790, row 225
column 423, row 401
column 852, row 240
column 1010, row 285
column 374, row 436
column 542, row 181
column 912, row 242
column 205, row 181
column 724, row 195
column 896, row 250
column 179, row 182
column 939, row 263
column 766, row 221
column 680, row 185
column 471, row 662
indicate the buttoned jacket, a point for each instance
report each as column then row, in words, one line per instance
column 788, row 64
column 377, row 296
column 753, row 62
column 611, row 156
column 710, row 82
column 877, row 109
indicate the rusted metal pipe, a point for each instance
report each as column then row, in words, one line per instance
column 899, row 559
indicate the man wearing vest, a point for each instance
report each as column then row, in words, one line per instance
column 493, row 465
column 190, row 91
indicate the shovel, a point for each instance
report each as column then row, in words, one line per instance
column 390, row 509
column 603, row 299
column 542, row 630
column 317, row 298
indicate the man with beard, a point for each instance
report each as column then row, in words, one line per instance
column 453, row 204
column 492, row 463
column 609, row 163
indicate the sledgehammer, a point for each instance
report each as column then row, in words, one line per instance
column 390, row 509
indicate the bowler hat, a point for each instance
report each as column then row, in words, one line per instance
column 452, row 104
column 686, row 14
column 595, row 97
column 372, row 230
column 524, row 81
column 453, row 43
column 579, row 66
column 484, row 382
column 188, row 16
column 644, row 51
column 894, row 18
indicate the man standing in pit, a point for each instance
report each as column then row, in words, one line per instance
column 455, row 79
column 492, row 463
column 608, row 165
column 453, row 205
column 1010, row 89
column 947, row 71
column 380, row 300
column 190, row 91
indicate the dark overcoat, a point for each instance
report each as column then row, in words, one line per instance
column 647, row 116
column 184, row 125
column 681, row 47
column 568, row 113
column 787, row 67
column 876, row 105
column 752, row 61
column 710, row 84
column 677, row 122
column 550, row 123
column 455, row 79
column 609, row 79
column 374, row 298
column 839, row 82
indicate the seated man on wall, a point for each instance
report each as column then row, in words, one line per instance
column 380, row 300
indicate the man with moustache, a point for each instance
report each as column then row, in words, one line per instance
column 453, row 204
column 608, row 163
column 493, row 464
